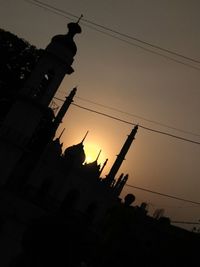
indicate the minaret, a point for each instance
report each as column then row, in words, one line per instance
column 63, row 110
column 52, row 67
column 26, row 116
column 118, row 162
column 118, row 187
column 103, row 166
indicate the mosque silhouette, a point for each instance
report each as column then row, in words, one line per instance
column 55, row 208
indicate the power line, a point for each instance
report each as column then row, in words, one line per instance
column 48, row 8
column 104, row 114
column 162, row 194
column 171, row 135
column 134, row 124
column 60, row 11
column 183, row 222
column 136, row 116
column 172, row 207
column 119, row 33
column 141, row 126
column 136, row 187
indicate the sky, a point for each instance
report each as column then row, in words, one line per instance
column 126, row 77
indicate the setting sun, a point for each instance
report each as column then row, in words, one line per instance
column 91, row 151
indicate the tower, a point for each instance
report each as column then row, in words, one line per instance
column 26, row 116
column 61, row 113
column 118, row 162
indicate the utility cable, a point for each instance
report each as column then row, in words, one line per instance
column 117, row 32
column 183, row 222
column 164, row 195
column 136, row 116
column 136, row 187
column 134, row 124
column 60, row 11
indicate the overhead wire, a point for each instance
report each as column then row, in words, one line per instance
column 45, row 7
column 62, row 12
column 136, row 187
column 40, row 4
column 183, row 222
column 112, row 117
column 163, row 194
column 133, row 124
column 136, row 116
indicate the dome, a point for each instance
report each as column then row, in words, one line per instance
column 74, row 28
column 75, row 154
column 66, row 40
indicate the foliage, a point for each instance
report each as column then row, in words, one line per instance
column 17, row 60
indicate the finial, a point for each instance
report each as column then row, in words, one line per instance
column 103, row 166
column 80, row 18
column 84, row 137
column 61, row 134
column 98, row 155
column 134, row 130
column 72, row 93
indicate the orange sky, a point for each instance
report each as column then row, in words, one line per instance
column 128, row 78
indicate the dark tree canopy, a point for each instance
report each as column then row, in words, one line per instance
column 17, row 60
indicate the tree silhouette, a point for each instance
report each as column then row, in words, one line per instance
column 18, row 59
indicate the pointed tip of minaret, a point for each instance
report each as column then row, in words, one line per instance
column 136, row 127
column 81, row 16
column 84, row 137
column 61, row 134
column 126, row 177
column 134, row 130
column 98, row 155
column 74, row 89
column 72, row 93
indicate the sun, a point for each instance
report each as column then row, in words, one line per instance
column 91, row 152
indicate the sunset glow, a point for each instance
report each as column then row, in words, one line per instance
column 91, row 152
column 137, row 86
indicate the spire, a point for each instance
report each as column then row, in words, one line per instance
column 119, row 180
column 61, row 134
column 79, row 18
column 118, row 162
column 98, row 155
column 84, row 137
column 120, row 184
column 63, row 110
column 103, row 166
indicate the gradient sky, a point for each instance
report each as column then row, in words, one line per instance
column 117, row 74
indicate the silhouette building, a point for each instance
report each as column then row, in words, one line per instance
column 36, row 176
column 39, row 178
column 24, row 123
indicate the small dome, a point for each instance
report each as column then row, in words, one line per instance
column 66, row 40
column 74, row 28
column 75, row 154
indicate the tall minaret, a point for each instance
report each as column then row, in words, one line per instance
column 61, row 113
column 118, row 162
column 52, row 67
column 26, row 115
